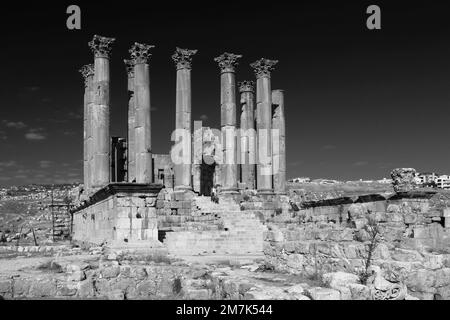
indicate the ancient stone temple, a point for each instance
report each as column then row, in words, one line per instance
column 132, row 195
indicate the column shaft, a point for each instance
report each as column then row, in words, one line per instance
column 264, row 178
column 248, row 136
column 279, row 143
column 88, row 74
column 100, row 123
column 183, row 123
column 229, row 169
column 228, row 126
column 131, row 130
column 182, row 150
column 264, row 126
column 143, row 144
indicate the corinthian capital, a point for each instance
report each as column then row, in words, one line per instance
column 87, row 71
column 129, row 65
column 101, row 46
column 246, row 86
column 227, row 61
column 183, row 58
column 140, row 53
column 263, row 67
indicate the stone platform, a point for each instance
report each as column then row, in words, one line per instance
column 120, row 212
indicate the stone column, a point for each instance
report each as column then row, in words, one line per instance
column 262, row 69
column 183, row 121
column 279, row 142
column 140, row 54
column 131, row 154
column 101, row 46
column 248, row 134
column 88, row 73
column 227, row 63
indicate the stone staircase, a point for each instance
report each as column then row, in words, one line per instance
column 230, row 231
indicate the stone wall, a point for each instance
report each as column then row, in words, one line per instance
column 117, row 216
column 238, row 233
column 414, row 248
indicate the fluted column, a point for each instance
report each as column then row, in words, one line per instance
column 183, row 121
column 140, row 54
column 227, row 64
column 262, row 69
column 131, row 141
column 279, row 142
column 248, row 134
column 101, row 47
column 88, row 74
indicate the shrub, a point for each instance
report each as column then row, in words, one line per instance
column 373, row 231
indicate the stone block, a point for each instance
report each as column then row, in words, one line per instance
column 146, row 288
column 318, row 293
column 43, row 288
column 77, row 276
column 66, row 290
column 359, row 291
column 339, row 279
column 123, row 201
column 150, row 202
column 21, row 287
column 110, row 272
column 5, row 286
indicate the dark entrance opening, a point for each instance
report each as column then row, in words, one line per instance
column 207, row 178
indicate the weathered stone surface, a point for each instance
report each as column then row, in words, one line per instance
column 110, row 272
column 86, row 288
column 339, row 279
column 44, row 288
column 318, row 293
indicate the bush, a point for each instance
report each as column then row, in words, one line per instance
column 373, row 231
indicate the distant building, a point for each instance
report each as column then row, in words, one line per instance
column 427, row 177
column 300, row 180
column 443, row 182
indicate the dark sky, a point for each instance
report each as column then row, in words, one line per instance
column 358, row 102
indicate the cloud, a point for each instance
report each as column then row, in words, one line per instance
column 329, row 147
column 3, row 135
column 5, row 178
column 73, row 175
column 36, row 134
column 69, row 133
column 75, row 115
column 360, row 163
column 21, row 176
column 45, row 164
column 13, row 124
column 204, row 117
column 32, row 88
column 8, row 164
column 295, row 163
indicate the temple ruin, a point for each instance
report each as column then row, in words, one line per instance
column 132, row 195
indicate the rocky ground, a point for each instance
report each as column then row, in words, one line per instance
column 67, row 272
